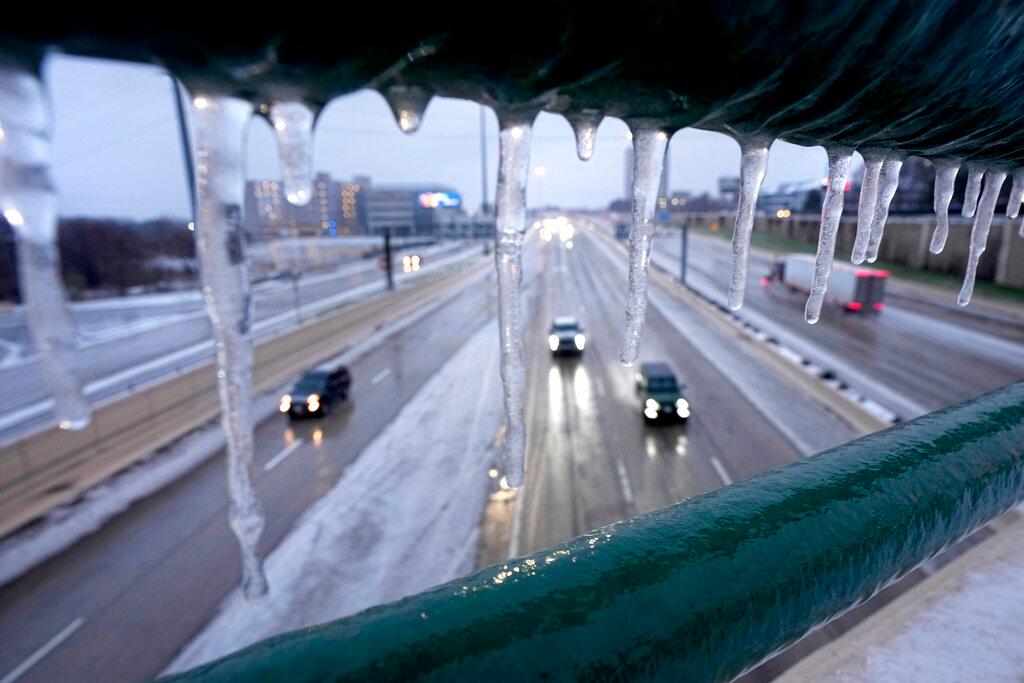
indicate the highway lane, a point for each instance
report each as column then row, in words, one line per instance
column 173, row 332
column 146, row 582
column 932, row 355
column 592, row 460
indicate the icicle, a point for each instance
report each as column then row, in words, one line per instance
column 220, row 126
column 1016, row 193
column 973, row 190
column 29, row 203
column 994, row 179
column 753, row 161
column 584, row 125
column 831, row 212
column 945, row 178
column 510, row 224
column 293, row 124
column 866, row 205
column 407, row 102
column 888, row 180
column 649, row 145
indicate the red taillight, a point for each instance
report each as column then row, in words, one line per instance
column 879, row 306
column 855, row 305
column 764, row 282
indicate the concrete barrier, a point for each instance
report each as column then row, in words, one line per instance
column 52, row 467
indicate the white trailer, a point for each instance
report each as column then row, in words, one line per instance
column 854, row 288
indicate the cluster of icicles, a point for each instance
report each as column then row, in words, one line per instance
column 29, row 202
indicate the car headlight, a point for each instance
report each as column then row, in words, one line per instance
column 553, row 342
column 651, row 404
column 650, row 413
column 286, row 403
column 683, row 407
column 580, row 341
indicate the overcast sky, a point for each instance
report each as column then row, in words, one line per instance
column 117, row 151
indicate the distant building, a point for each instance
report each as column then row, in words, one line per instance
column 336, row 208
column 790, row 197
column 411, row 209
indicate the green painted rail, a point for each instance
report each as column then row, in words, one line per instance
column 703, row 590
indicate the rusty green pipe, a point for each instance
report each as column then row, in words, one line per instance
column 703, row 590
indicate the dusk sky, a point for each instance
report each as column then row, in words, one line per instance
column 117, row 151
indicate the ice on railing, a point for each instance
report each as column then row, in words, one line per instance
column 1016, row 193
column 649, row 145
column 510, row 227
column 293, row 126
column 994, row 179
column 973, row 190
column 945, row 179
column 220, row 134
column 866, row 203
column 584, row 127
column 831, row 212
column 753, row 162
column 29, row 202
column 408, row 103
column 888, row 180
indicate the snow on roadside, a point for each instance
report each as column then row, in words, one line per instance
column 404, row 517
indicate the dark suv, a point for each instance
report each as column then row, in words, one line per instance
column 660, row 395
column 317, row 392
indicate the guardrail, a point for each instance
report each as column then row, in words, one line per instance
column 55, row 466
column 703, row 590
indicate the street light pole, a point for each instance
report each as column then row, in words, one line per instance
column 387, row 259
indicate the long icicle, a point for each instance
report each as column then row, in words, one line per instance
column 649, row 145
column 293, row 124
column 29, row 203
column 866, row 206
column 973, row 190
column 994, row 179
column 510, row 226
column 888, row 181
column 1016, row 193
column 220, row 128
column 753, row 162
column 945, row 179
column 831, row 213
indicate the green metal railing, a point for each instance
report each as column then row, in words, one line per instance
column 703, row 590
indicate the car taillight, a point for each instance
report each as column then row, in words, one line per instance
column 855, row 305
column 879, row 306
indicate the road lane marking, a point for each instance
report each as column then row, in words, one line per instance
column 279, row 458
column 381, row 376
column 627, row 489
column 717, row 464
column 43, row 651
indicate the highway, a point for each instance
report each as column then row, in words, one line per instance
column 916, row 356
column 130, row 341
column 122, row 602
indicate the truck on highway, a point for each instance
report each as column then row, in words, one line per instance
column 854, row 288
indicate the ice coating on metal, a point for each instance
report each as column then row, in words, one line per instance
column 945, row 178
column 994, row 179
column 649, row 146
column 973, row 190
column 293, row 125
column 28, row 200
column 753, row 162
column 220, row 128
column 831, row 213
column 510, row 226
column 888, row 180
column 866, row 205
column 407, row 105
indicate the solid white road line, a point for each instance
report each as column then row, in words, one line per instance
column 381, row 376
column 43, row 651
column 717, row 464
column 279, row 458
